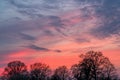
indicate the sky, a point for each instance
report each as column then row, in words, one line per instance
column 56, row 32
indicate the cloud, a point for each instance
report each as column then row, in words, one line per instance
column 56, row 21
column 82, row 40
column 37, row 48
column 44, row 7
column 34, row 47
column 106, row 30
column 15, row 32
column 49, row 29
column 109, row 13
column 27, row 37
column 58, row 51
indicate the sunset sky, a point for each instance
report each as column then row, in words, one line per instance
column 56, row 32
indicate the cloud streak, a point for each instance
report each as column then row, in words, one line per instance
column 34, row 47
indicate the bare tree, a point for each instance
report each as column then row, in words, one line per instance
column 77, row 71
column 109, row 71
column 94, row 66
column 61, row 73
column 55, row 77
column 15, row 70
column 39, row 71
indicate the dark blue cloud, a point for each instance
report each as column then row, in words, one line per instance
column 13, row 31
column 15, row 26
column 56, row 21
column 37, row 48
column 35, row 8
column 109, row 11
column 34, row 47
column 27, row 37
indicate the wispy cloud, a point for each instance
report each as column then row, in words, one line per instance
column 38, row 48
column 42, row 49
column 27, row 37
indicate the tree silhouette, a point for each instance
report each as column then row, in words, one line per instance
column 61, row 73
column 109, row 71
column 39, row 71
column 15, row 70
column 94, row 66
column 77, row 71
column 55, row 77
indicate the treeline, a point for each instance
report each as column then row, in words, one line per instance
column 93, row 66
